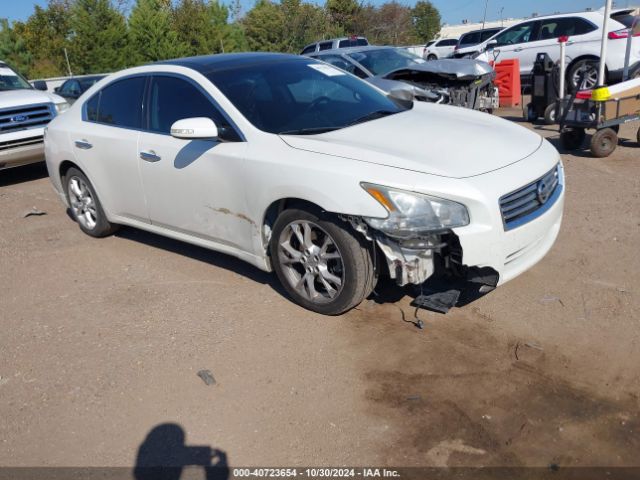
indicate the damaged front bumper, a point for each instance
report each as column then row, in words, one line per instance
column 414, row 261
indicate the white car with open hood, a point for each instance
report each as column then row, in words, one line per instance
column 298, row 167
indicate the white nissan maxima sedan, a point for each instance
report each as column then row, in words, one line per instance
column 295, row 166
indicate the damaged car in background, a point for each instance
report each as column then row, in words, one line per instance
column 299, row 168
column 465, row 83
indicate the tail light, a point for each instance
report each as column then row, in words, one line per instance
column 618, row 34
column 584, row 94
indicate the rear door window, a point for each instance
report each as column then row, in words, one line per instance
column 119, row 104
column 447, row 43
column 558, row 27
column 326, row 45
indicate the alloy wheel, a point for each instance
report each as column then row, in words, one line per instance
column 82, row 203
column 311, row 261
column 590, row 80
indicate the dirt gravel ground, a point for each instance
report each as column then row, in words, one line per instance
column 101, row 342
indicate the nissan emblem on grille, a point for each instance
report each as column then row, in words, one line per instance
column 544, row 191
column 19, row 118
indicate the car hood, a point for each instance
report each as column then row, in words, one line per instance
column 448, row 68
column 435, row 139
column 18, row 98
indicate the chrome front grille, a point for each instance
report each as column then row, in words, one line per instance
column 532, row 200
column 21, row 142
column 29, row 116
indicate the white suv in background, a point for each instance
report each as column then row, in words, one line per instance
column 440, row 49
column 526, row 39
column 24, row 112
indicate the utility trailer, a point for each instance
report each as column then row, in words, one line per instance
column 603, row 110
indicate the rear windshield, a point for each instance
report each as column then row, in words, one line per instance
column 624, row 18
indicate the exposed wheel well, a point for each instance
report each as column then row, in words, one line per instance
column 277, row 207
column 64, row 168
column 579, row 59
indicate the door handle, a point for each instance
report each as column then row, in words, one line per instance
column 519, row 49
column 83, row 144
column 149, row 156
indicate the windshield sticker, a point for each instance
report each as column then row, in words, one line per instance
column 327, row 70
column 7, row 72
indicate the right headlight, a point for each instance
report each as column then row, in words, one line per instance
column 413, row 213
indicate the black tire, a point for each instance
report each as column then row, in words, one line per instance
column 530, row 114
column 431, row 56
column 101, row 227
column 572, row 138
column 589, row 65
column 604, row 142
column 638, row 136
column 357, row 267
column 550, row 114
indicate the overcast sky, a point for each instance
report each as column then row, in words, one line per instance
column 453, row 11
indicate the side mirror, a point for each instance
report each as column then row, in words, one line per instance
column 195, row 128
column 40, row 85
column 401, row 94
column 491, row 45
column 56, row 90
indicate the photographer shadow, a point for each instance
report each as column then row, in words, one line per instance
column 163, row 456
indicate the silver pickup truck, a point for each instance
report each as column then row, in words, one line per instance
column 24, row 112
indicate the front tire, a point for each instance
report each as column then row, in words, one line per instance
column 85, row 206
column 431, row 56
column 321, row 262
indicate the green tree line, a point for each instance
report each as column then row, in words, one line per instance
column 107, row 35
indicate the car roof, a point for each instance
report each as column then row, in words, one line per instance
column 364, row 48
column 586, row 14
column 223, row 61
column 337, row 39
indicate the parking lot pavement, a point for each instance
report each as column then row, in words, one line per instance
column 101, row 342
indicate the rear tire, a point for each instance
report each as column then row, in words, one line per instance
column 85, row 206
column 638, row 137
column 323, row 265
column 572, row 138
column 431, row 56
column 604, row 142
column 590, row 66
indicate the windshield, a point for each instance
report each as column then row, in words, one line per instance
column 10, row 80
column 301, row 96
column 470, row 38
column 385, row 60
